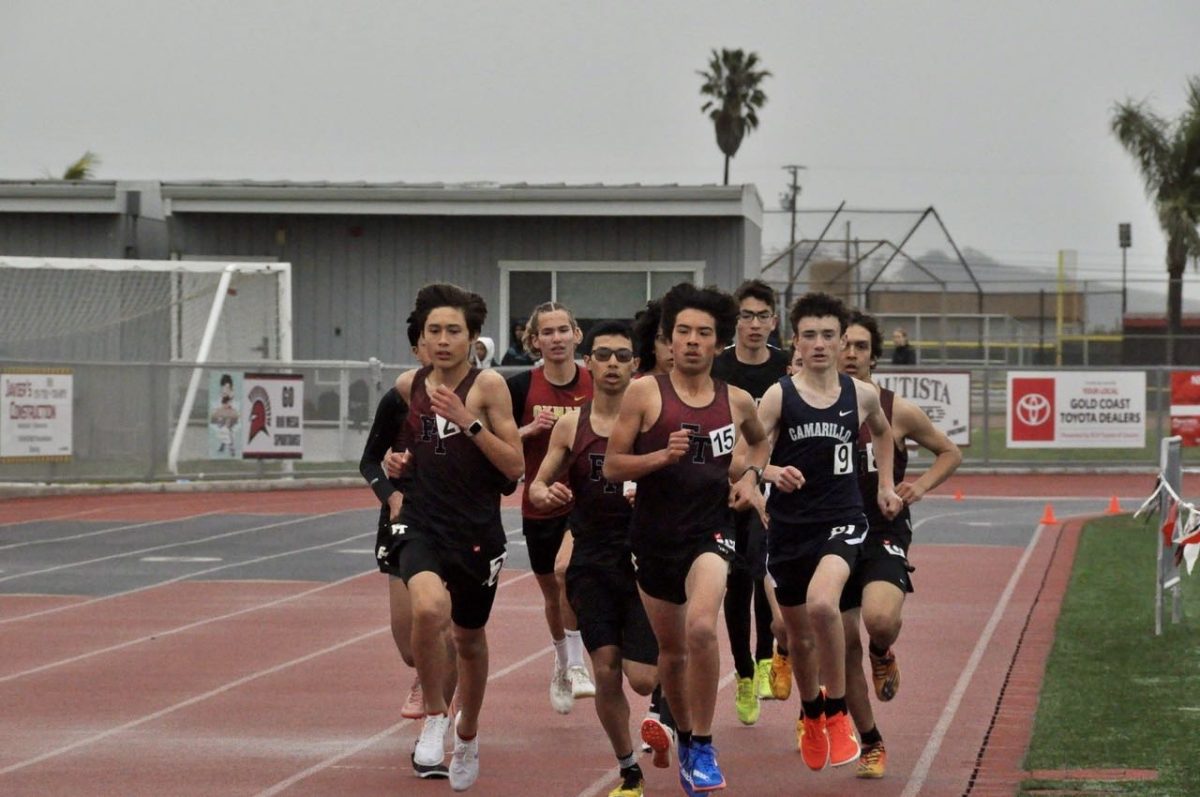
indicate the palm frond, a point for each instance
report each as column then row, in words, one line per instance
column 1144, row 135
column 84, row 168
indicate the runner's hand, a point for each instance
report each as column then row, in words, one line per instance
column 558, row 495
column 910, row 492
column 678, row 444
column 890, row 504
column 395, row 463
column 445, row 402
column 789, row 479
column 543, row 422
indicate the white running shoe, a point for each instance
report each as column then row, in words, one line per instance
column 464, row 764
column 562, row 692
column 430, row 753
column 581, row 682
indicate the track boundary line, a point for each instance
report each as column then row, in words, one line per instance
column 184, row 577
column 920, row 771
column 97, row 532
column 165, row 546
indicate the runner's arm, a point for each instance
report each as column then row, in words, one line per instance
column 911, row 423
column 545, row 491
column 620, row 463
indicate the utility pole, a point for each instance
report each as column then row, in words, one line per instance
column 789, row 201
column 1124, row 240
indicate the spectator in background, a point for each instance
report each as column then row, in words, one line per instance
column 904, row 353
column 516, row 354
column 483, row 355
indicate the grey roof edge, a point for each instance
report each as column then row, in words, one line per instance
column 59, row 196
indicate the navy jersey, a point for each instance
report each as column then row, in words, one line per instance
column 454, row 493
column 820, row 443
column 868, row 477
column 689, row 499
column 601, row 514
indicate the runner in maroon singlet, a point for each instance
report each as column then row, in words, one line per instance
column 601, row 583
column 674, row 436
column 450, row 546
column 881, row 578
column 540, row 397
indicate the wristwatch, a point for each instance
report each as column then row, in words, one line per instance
column 758, row 473
column 475, row 428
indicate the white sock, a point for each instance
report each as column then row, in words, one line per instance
column 574, row 649
column 560, row 652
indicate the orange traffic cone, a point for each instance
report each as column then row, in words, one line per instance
column 1114, row 506
column 958, row 494
column 1048, row 518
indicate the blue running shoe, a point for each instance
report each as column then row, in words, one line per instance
column 685, row 770
column 706, row 775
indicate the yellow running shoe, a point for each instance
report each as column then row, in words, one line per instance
column 746, row 701
column 781, row 676
column 885, row 672
column 632, row 783
column 762, row 680
column 873, row 761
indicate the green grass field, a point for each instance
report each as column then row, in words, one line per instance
column 1116, row 696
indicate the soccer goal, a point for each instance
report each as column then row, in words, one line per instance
column 63, row 309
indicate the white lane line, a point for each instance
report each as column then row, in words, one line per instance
column 180, row 629
column 181, row 559
column 184, row 577
column 358, row 747
column 98, row 532
column 165, row 546
column 921, row 771
column 357, row 551
column 53, row 517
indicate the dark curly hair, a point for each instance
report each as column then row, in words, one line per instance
column 818, row 305
column 711, row 300
column 756, row 289
column 443, row 294
column 645, row 329
column 868, row 323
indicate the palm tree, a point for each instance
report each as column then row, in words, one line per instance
column 1168, row 155
column 84, row 168
column 732, row 84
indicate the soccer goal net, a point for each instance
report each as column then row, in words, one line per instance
column 83, row 310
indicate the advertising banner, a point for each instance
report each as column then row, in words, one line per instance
column 944, row 397
column 225, row 415
column 1185, row 406
column 1076, row 409
column 36, row 423
column 273, row 416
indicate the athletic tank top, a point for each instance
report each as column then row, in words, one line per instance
column 868, row 476
column 455, row 490
column 820, row 443
column 601, row 513
column 544, row 395
column 690, row 498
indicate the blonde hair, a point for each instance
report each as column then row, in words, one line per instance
column 531, row 329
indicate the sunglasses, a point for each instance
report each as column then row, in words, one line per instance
column 603, row 354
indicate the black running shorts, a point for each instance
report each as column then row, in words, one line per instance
column 883, row 558
column 544, row 537
column 665, row 576
column 792, row 568
column 751, row 544
column 610, row 611
column 470, row 576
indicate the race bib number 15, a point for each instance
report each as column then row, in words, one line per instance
column 722, row 440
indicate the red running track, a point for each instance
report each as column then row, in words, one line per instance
column 255, row 688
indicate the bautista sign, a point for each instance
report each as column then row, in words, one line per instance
column 944, row 396
column 1076, row 409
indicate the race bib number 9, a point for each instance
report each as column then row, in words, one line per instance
column 843, row 459
column 722, row 440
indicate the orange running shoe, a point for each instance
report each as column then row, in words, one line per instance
column 843, row 744
column 873, row 761
column 812, row 740
column 885, row 672
column 661, row 738
column 781, row 676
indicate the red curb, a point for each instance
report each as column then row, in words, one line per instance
column 1000, row 767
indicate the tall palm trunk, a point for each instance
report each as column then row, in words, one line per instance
column 1176, row 265
column 726, row 170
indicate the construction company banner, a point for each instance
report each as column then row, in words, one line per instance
column 1076, row 409
column 36, row 422
column 944, row 397
column 272, row 416
column 1185, row 406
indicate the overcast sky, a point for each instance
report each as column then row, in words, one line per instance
column 997, row 114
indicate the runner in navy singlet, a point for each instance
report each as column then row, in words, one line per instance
column 881, row 577
column 675, row 435
column 450, row 546
column 601, row 583
column 816, row 522
column 540, row 397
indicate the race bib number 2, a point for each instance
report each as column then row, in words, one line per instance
column 494, row 567
column 722, row 440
